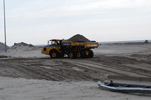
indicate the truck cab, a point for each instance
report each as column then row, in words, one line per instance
column 54, row 43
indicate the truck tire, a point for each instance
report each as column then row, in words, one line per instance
column 80, row 54
column 72, row 55
column 90, row 55
column 53, row 54
column 83, row 54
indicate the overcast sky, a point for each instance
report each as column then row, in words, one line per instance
column 36, row 21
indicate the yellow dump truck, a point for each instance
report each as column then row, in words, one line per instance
column 74, row 49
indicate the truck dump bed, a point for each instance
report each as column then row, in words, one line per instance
column 89, row 45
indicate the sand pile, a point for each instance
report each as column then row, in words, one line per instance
column 2, row 46
column 78, row 38
column 22, row 46
column 17, row 45
column 23, row 50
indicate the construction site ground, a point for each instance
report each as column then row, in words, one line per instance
column 88, row 69
column 66, row 69
column 131, row 60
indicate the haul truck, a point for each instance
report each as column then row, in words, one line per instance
column 74, row 49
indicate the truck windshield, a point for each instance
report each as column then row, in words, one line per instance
column 53, row 43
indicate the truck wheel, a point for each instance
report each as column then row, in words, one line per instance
column 79, row 55
column 70, row 54
column 90, row 55
column 83, row 54
column 53, row 54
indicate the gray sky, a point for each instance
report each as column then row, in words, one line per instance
column 36, row 21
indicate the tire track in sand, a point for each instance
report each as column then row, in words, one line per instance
column 92, row 65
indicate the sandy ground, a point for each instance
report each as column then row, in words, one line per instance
column 23, row 89
column 29, row 75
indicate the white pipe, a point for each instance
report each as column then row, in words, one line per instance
column 123, row 88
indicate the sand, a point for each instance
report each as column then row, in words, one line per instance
column 23, row 89
column 2, row 46
column 78, row 37
column 29, row 75
column 23, row 50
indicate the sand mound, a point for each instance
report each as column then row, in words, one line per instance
column 78, row 38
column 2, row 46
column 22, row 46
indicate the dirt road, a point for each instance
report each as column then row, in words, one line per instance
column 66, row 69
